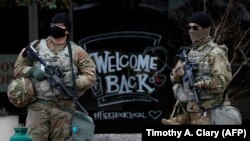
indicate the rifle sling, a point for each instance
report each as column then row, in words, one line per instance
column 71, row 65
column 73, row 74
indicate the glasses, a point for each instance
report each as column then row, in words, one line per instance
column 57, row 24
column 194, row 27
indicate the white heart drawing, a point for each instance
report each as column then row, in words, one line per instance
column 154, row 114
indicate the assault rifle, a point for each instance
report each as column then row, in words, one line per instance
column 54, row 75
column 188, row 67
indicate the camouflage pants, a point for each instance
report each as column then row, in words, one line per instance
column 49, row 121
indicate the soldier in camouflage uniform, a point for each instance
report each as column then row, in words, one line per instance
column 212, row 75
column 49, row 117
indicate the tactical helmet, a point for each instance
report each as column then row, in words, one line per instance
column 20, row 92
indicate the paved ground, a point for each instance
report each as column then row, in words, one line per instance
column 117, row 137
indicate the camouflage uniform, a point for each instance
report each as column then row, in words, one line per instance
column 50, row 116
column 214, row 70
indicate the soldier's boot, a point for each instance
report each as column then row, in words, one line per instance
column 177, row 120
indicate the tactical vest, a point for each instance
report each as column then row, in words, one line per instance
column 202, row 69
column 43, row 89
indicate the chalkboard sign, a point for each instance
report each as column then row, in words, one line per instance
column 133, row 85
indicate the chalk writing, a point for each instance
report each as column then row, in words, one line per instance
column 155, row 114
column 120, row 88
column 127, row 75
column 111, row 63
column 101, row 115
column 116, row 115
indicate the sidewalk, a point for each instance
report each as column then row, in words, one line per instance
column 117, row 137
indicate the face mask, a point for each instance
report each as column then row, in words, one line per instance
column 199, row 37
column 57, row 32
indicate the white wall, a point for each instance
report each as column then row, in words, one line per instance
column 7, row 125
